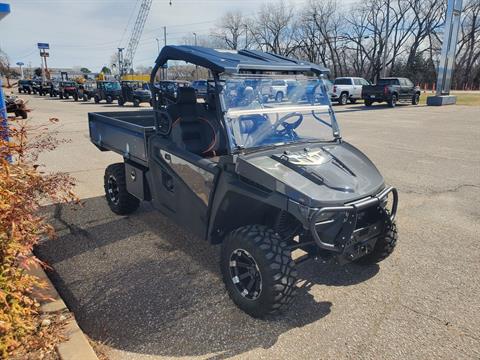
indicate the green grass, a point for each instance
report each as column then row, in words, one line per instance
column 463, row 98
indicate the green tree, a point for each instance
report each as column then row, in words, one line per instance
column 85, row 70
column 106, row 70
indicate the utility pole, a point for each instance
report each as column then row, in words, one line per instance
column 246, row 36
column 120, row 62
column 165, row 44
column 20, row 65
column 196, row 66
column 385, row 47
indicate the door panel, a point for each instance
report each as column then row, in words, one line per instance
column 182, row 184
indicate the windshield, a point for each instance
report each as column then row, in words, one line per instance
column 261, row 113
column 387, row 82
column 112, row 86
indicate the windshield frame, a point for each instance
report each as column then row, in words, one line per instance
column 325, row 106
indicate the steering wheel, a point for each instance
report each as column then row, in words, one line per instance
column 287, row 126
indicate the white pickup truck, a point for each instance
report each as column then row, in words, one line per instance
column 348, row 89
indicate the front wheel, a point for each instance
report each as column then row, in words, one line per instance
column 383, row 247
column 368, row 103
column 121, row 102
column 96, row 99
column 415, row 99
column 119, row 200
column 109, row 99
column 136, row 102
column 21, row 113
column 353, row 101
column 75, row 97
column 258, row 270
column 61, row 96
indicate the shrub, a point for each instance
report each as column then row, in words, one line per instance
column 24, row 186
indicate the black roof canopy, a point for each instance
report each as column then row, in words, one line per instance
column 233, row 61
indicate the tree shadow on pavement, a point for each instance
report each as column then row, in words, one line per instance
column 142, row 284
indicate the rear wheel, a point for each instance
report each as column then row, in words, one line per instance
column 136, row 102
column 75, row 97
column 415, row 99
column 29, row 91
column 19, row 91
column 393, row 101
column 109, row 99
column 85, row 97
column 342, row 100
column 121, row 102
column 119, row 200
column 97, row 99
column 21, row 113
column 61, row 95
column 368, row 103
column 258, row 270
column 279, row 97
column 353, row 101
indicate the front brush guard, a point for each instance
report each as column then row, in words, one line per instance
column 350, row 220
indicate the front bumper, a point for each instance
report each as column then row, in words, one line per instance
column 345, row 235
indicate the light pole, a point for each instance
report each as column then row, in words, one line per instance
column 20, row 65
column 158, row 45
column 385, row 47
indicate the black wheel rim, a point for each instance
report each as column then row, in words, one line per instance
column 112, row 190
column 245, row 274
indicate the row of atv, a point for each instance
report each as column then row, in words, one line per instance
column 134, row 92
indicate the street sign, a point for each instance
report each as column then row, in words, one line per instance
column 4, row 10
column 43, row 45
column 20, row 63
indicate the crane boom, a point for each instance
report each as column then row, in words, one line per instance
column 136, row 34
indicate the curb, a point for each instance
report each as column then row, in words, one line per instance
column 77, row 346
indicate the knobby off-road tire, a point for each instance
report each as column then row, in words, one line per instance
column 96, row 99
column 272, row 265
column 383, row 247
column 119, row 200
column 109, row 99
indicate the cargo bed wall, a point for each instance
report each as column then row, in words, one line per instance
column 123, row 132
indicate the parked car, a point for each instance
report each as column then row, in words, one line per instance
column 108, row 91
column 134, row 92
column 391, row 90
column 68, row 88
column 348, row 89
column 201, row 88
column 25, row 86
column 262, row 181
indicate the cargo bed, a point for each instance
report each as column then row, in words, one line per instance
column 125, row 132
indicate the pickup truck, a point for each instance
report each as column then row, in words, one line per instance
column 391, row 90
column 348, row 89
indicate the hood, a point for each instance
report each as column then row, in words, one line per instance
column 317, row 176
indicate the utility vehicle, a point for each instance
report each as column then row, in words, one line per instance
column 108, row 91
column 391, row 90
column 68, row 88
column 134, row 92
column 25, row 86
column 86, row 91
column 17, row 106
column 261, row 179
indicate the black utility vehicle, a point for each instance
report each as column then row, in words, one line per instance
column 134, row 92
column 54, row 88
column 108, row 91
column 67, row 89
column 36, row 86
column 45, row 88
column 25, row 86
column 86, row 91
column 262, row 179
column 391, row 90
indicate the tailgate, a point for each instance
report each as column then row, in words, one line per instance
column 125, row 133
column 372, row 91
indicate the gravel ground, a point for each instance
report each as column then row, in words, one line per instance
column 147, row 289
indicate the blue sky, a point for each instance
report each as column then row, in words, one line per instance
column 87, row 32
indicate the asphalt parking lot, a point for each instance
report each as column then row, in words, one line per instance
column 147, row 289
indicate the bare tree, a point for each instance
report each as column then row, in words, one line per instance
column 231, row 28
